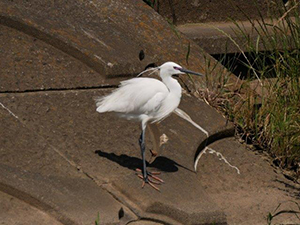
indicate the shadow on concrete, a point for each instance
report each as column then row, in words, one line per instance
column 161, row 163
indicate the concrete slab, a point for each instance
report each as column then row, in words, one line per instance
column 205, row 11
column 61, row 157
column 217, row 38
column 56, row 147
column 15, row 211
column 37, row 174
column 249, row 197
column 31, row 64
column 106, row 148
column 211, row 38
column 42, row 42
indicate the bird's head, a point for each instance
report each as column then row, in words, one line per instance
column 171, row 68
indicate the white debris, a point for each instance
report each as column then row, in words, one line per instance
column 8, row 110
column 163, row 139
column 221, row 157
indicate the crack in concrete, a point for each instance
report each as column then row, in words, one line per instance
column 58, row 89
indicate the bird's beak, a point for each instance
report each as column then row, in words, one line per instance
column 189, row 71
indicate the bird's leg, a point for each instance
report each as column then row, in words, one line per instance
column 144, row 171
column 142, row 145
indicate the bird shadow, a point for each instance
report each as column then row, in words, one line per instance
column 161, row 163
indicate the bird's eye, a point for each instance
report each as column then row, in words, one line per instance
column 176, row 68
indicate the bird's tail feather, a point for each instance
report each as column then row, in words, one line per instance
column 109, row 102
column 100, row 104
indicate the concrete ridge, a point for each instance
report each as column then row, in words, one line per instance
column 117, row 194
column 29, row 199
column 120, row 197
column 41, row 34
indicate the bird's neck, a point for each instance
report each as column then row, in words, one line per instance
column 173, row 85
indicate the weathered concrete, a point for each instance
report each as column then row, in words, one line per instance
column 36, row 173
column 15, row 211
column 214, row 37
column 106, row 148
column 59, row 157
column 65, row 147
column 144, row 222
column 229, row 37
column 104, row 38
column 31, row 64
column 204, row 11
column 248, row 197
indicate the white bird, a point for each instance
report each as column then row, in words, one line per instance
column 146, row 100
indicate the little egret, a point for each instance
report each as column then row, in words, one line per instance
column 146, row 100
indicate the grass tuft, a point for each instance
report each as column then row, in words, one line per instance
column 97, row 221
column 278, row 212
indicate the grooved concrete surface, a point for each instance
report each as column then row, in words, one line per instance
column 85, row 43
column 62, row 162
column 15, row 211
column 106, row 149
column 36, row 173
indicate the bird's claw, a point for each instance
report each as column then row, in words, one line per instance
column 151, row 179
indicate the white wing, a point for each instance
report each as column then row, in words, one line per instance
column 134, row 96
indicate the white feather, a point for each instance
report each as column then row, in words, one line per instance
column 145, row 99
